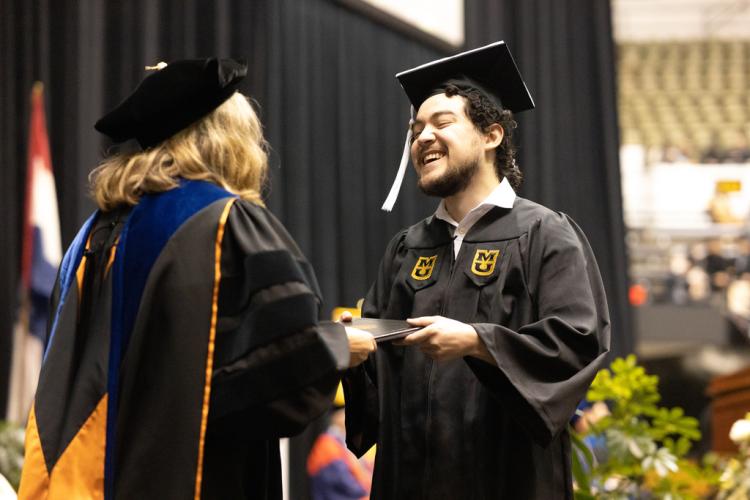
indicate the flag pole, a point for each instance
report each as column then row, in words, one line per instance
column 41, row 232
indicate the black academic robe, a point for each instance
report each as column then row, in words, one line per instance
column 526, row 280
column 184, row 341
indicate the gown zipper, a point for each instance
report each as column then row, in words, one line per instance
column 431, row 376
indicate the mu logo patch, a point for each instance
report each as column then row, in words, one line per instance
column 423, row 268
column 484, row 262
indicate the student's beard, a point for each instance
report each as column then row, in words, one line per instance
column 454, row 180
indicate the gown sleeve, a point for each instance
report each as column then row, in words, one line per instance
column 360, row 382
column 276, row 366
column 545, row 368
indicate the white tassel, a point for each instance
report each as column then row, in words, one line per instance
column 396, row 187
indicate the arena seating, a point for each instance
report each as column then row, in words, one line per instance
column 689, row 95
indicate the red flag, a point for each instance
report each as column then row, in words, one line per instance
column 40, row 257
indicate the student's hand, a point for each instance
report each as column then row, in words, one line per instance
column 444, row 339
column 361, row 344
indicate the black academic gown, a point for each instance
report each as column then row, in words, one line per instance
column 184, row 341
column 525, row 278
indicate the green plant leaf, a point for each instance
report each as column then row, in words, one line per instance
column 11, row 452
column 583, row 495
column 644, row 442
column 582, row 461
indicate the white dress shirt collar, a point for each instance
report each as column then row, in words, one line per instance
column 502, row 196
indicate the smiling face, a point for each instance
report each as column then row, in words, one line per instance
column 446, row 148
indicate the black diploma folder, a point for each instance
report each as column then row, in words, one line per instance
column 384, row 329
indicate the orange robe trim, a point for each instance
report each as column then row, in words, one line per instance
column 211, row 339
column 34, row 476
column 78, row 473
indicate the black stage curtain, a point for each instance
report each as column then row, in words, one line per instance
column 569, row 144
column 322, row 74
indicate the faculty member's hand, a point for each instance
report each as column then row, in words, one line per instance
column 444, row 339
column 361, row 344
column 346, row 317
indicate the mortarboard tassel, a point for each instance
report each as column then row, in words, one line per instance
column 396, row 187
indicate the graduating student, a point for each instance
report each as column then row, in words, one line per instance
column 515, row 323
column 184, row 338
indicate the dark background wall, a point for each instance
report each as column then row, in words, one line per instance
column 322, row 74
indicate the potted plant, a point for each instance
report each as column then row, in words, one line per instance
column 11, row 452
column 735, row 480
column 629, row 447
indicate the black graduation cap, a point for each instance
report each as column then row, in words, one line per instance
column 170, row 99
column 490, row 69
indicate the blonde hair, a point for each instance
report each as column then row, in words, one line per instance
column 225, row 147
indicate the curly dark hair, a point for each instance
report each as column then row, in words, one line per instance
column 483, row 112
